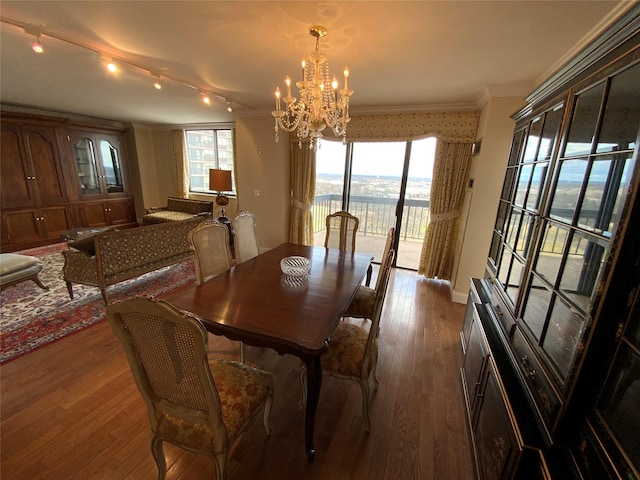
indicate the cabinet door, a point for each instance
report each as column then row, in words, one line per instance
column 55, row 220
column 477, row 354
column 112, row 164
column 498, row 448
column 119, row 212
column 18, row 187
column 93, row 214
column 22, row 226
column 83, row 151
column 43, row 152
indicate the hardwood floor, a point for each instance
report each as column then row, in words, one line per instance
column 72, row 410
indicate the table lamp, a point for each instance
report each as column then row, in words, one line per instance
column 220, row 181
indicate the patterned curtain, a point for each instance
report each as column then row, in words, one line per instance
column 450, row 172
column 180, row 162
column 303, row 192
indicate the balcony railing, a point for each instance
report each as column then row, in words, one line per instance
column 376, row 215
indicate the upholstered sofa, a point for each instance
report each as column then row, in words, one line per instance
column 177, row 209
column 124, row 254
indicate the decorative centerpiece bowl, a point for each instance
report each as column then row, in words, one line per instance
column 295, row 266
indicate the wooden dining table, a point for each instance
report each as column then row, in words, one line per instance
column 255, row 303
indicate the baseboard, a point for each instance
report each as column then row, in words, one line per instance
column 458, row 297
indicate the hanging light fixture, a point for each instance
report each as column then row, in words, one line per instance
column 319, row 105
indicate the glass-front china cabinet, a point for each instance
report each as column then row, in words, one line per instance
column 551, row 338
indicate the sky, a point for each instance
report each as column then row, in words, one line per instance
column 379, row 158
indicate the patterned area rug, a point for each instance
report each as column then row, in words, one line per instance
column 31, row 317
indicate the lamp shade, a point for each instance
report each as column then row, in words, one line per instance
column 220, row 180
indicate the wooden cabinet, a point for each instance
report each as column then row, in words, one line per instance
column 55, row 178
column 501, row 449
column 559, row 340
column 32, row 173
column 108, row 212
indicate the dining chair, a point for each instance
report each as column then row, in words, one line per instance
column 341, row 229
column 362, row 305
column 245, row 236
column 353, row 350
column 194, row 402
column 209, row 241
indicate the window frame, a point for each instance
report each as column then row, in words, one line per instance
column 203, row 152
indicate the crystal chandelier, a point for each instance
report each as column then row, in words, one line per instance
column 319, row 105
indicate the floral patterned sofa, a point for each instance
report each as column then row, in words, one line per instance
column 124, row 254
column 177, row 209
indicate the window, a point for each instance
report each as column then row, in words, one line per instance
column 206, row 149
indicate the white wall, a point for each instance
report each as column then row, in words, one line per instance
column 262, row 164
column 481, row 201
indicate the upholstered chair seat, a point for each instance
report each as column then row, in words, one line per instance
column 193, row 401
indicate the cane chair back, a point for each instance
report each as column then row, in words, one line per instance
column 353, row 349
column 362, row 305
column 210, row 244
column 341, row 231
column 193, row 402
column 245, row 236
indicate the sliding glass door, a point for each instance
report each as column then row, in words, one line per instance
column 384, row 185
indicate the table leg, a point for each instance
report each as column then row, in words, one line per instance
column 314, row 382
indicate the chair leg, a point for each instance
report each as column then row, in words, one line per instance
column 365, row 404
column 375, row 378
column 158, row 456
column 303, row 385
column 70, row 289
column 220, row 461
column 267, row 414
column 242, row 352
column 369, row 273
column 39, row 283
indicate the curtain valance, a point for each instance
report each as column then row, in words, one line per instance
column 451, row 127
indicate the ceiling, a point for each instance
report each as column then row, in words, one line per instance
column 403, row 56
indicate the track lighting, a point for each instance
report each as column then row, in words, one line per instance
column 109, row 64
column 37, row 45
column 122, row 62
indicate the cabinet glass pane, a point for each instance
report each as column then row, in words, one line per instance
column 510, row 237
column 550, row 132
column 505, row 266
column 535, row 308
column 550, row 252
column 567, row 192
column 562, row 336
column 622, row 113
column 537, row 181
column 515, row 279
column 620, row 408
column 496, row 242
column 523, row 184
column 584, row 260
column 507, row 186
column 524, row 234
column 533, row 140
column 87, row 168
column 608, row 181
column 111, row 165
column 516, row 147
column 583, row 124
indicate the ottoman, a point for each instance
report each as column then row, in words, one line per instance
column 16, row 268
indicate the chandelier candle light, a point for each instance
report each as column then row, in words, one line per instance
column 319, row 105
